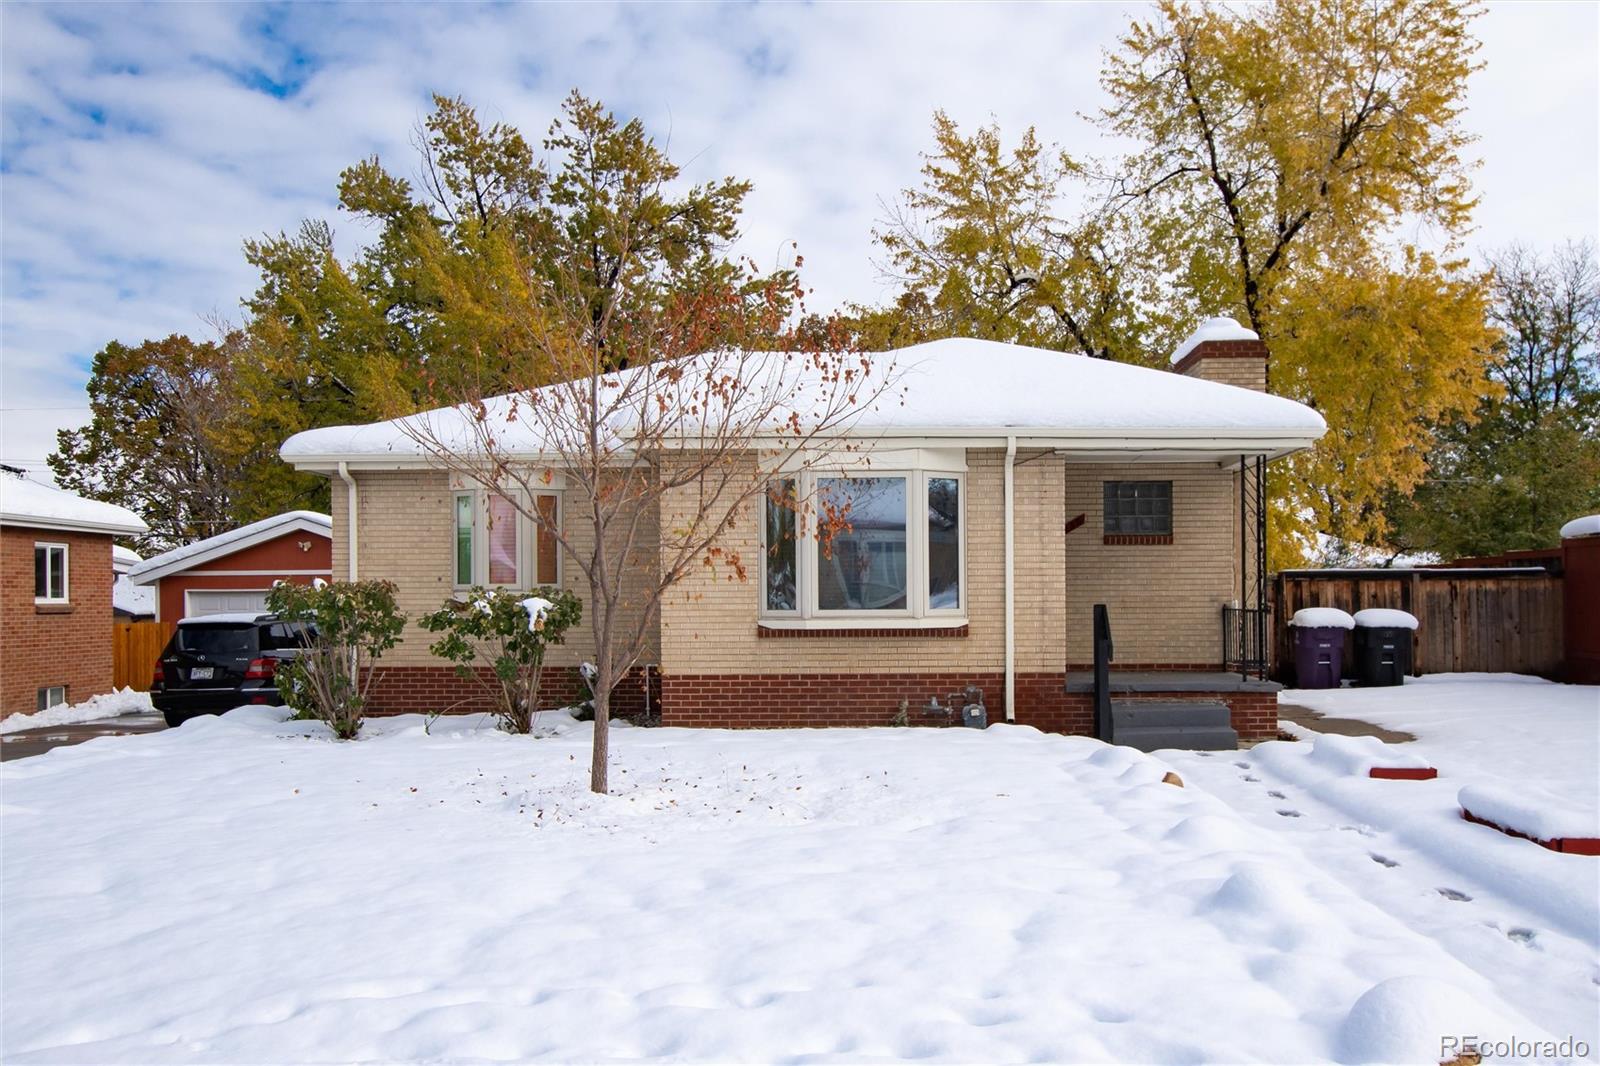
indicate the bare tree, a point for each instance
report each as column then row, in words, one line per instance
column 682, row 407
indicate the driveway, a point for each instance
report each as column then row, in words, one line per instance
column 26, row 742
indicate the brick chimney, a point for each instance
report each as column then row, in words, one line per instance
column 1222, row 350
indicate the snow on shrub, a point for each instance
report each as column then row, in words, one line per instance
column 498, row 638
column 1409, row 1019
column 1357, row 756
column 348, row 627
column 1322, row 618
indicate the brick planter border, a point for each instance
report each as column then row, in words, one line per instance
column 1403, row 773
column 1565, row 845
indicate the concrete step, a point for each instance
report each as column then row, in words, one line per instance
column 1187, row 738
column 1169, row 713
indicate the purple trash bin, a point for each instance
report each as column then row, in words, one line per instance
column 1319, row 634
column 1318, row 655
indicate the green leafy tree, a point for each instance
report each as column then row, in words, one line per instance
column 1530, row 460
column 498, row 638
column 348, row 627
column 162, row 439
column 983, row 248
column 1274, row 145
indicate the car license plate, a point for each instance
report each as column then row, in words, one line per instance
column 200, row 673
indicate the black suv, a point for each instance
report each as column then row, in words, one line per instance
column 218, row 662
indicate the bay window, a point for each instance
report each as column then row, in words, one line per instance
column 886, row 546
column 496, row 544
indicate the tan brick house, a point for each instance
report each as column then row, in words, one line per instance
column 1011, row 492
column 55, row 594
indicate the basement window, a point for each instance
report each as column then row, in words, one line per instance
column 50, row 696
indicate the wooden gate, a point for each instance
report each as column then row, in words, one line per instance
column 1503, row 619
column 135, row 647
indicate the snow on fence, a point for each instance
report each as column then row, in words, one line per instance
column 1485, row 619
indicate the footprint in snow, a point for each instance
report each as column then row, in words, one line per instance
column 1275, row 794
column 1250, row 777
column 1383, row 860
column 1521, row 936
column 1363, row 830
column 1242, row 765
column 1453, row 894
column 1290, row 814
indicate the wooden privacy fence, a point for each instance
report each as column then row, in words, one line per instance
column 135, row 647
column 1501, row 619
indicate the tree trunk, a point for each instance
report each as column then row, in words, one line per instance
column 602, row 737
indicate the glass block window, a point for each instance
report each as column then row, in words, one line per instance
column 1138, row 508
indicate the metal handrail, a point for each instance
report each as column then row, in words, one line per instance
column 1244, row 641
column 1102, row 672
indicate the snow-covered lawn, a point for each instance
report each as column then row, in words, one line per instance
column 1526, row 918
column 244, row 888
column 110, row 705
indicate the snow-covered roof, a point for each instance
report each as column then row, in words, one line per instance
column 128, row 598
column 124, row 559
column 1587, row 526
column 956, row 388
column 203, row 551
column 28, row 503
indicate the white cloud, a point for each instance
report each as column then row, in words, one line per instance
column 142, row 145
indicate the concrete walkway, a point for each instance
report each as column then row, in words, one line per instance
column 26, row 742
column 1344, row 727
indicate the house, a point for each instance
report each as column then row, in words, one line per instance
column 232, row 571
column 1011, row 492
column 55, row 594
column 129, row 602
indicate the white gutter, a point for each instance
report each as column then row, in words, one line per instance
column 349, row 515
column 1011, row 580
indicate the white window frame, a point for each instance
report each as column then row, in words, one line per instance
column 66, row 573
column 527, row 545
column 917, row 613
column 49, row 692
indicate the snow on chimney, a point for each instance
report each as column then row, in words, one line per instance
column 1222, row 350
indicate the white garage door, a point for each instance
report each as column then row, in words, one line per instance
column 199, row 602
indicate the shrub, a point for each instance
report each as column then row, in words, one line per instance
column 348, row 627
column 505, row 634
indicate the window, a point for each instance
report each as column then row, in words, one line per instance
column 495, row 543
column 861, row 563
column 54, row 696
column 886, row 546
column 1141, row 509
column 49, row 573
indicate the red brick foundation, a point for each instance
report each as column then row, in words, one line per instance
column 782, row 701
column 425, row 689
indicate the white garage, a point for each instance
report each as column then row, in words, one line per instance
column 199, row 602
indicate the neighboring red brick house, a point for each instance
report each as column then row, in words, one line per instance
column 1580, row 551
column 232, row 571
column 55, row 594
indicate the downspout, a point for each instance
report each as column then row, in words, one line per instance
column 1011, row 580
column 350, row 515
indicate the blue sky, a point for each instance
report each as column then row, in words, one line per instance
column 142, row 144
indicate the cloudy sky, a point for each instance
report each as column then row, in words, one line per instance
column 142, row 144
